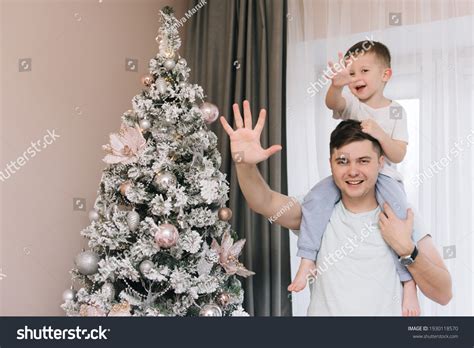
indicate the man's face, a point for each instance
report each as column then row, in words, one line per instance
column 355, row 168
column 370, row 76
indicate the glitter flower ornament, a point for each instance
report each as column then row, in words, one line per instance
column 228, row 255
column 125, row 147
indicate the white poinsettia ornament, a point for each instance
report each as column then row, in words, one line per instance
column 228, row 255
column 125, row 147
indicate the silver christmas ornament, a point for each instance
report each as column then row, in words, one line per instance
column 145, row 124
column 146, row 266
column 161, row 85
column 210, row 112
column 182, row 61
column 133, row 220
column 69, row 295
column 164, row 180
column 87, row 262
column 166, row 236
column 108, row 288
column 210, row 310
column 94, row 215
column 169, row 64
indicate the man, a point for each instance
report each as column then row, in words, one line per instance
column 342, row 290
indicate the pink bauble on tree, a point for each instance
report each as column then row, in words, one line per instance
column 166, row 236
column 210, row 112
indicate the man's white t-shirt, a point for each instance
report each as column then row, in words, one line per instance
column 392, row 119
column 357, row 274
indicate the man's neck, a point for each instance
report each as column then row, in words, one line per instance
column 360, row 204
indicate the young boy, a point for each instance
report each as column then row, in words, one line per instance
column 366, row 71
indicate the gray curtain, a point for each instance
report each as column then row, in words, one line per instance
column 237, row 50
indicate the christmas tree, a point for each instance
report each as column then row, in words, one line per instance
column 160, row 243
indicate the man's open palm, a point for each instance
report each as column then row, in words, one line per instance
column 245, row 141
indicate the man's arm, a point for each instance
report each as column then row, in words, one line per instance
column 430, row 273
column 281, row 209
column 428, row 270
column 246, row 153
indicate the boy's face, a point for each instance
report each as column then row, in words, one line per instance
column 370, row 74
column 355, row 168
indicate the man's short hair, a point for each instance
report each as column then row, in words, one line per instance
column 350, row 131
column 379, row 49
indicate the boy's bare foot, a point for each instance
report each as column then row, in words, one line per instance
column 302, row 276
column 410, row 305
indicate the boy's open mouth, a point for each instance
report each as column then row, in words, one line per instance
column 360, row 88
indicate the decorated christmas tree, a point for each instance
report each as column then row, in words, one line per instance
column 159, row 241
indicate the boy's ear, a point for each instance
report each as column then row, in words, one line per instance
column 387, row 74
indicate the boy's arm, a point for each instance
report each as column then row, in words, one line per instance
column 281, row 209
column 339, row 74
column 246, row 153
column 394, row 150
column 334, row 99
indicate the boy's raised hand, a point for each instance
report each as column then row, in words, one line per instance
column 339, row 72
column 245, row 141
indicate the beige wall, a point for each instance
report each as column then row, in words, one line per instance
column 78, row 87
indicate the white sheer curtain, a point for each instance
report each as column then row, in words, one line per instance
column 432, row 50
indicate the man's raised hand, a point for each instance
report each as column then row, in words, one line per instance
column 245, row 141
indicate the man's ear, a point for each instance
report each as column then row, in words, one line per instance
column 381, row 161
column 387, row 74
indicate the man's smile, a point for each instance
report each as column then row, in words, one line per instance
column 354, row 182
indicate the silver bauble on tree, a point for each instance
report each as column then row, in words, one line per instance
column 210, row 112
column 94, row 215
column 161, row 85
column 210, row 310
column 169, row 64
column 182, row 61
column 145, row 124
column 109, row 289
column 164, row 180
column 166, row 236
column 133, row 220
column 87, row 262
column 69, row 295
column 146, row 266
